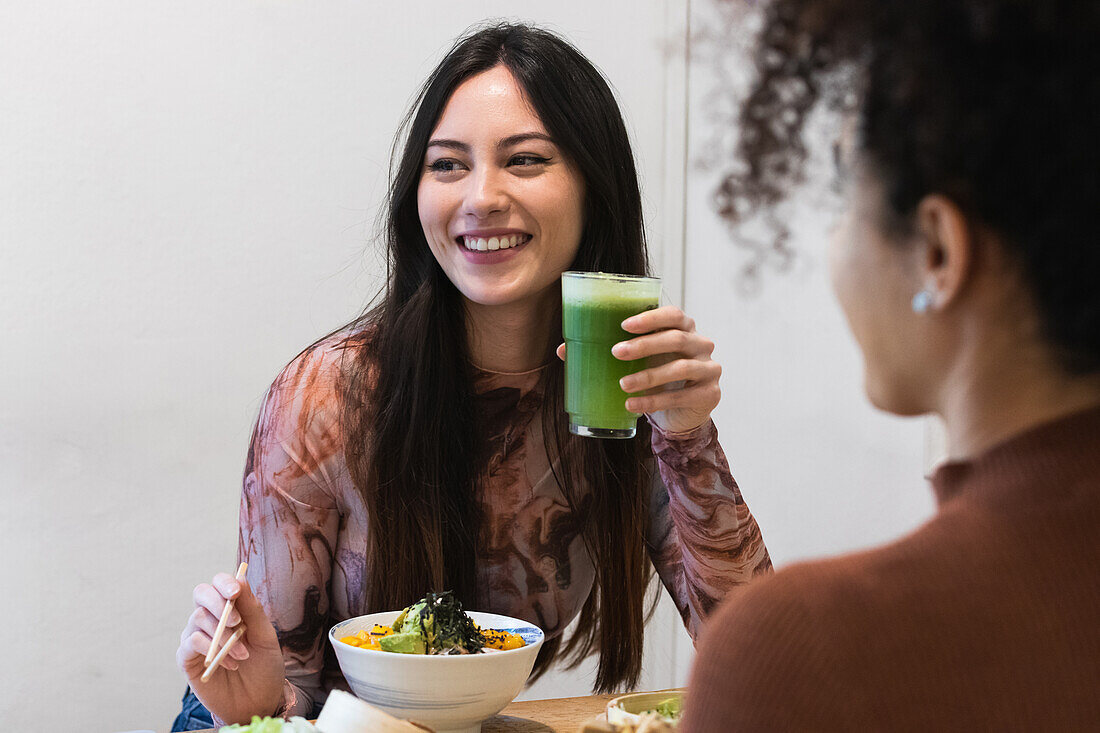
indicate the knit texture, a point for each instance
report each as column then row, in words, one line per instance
column 985, row 618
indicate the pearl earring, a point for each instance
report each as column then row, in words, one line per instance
column 922, row 301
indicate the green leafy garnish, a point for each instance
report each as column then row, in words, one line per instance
column 669, row 709
column 446, row 627
column 271, row 725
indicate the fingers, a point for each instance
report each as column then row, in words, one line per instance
column 191, row 656
column 666, row 317
column 261, row 634
column 700, row 399
column 685, row 343
column 199, row 620
column 213, row 599
column 205, row 622
column 210, row 601
column 221, row 655
column 249, row 607
column 227, row 585
column 224, row 588
column 692, row 371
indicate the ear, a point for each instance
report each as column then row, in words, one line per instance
column 947, row 254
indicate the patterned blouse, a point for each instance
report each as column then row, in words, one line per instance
column 303, row 524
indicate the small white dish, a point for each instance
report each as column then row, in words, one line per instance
column 448, row 693
column 345, row 713
column 628, row 709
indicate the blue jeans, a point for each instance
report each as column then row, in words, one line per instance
column 194, row 715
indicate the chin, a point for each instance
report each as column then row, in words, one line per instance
column 506, row 290
column 893, row 398
column 489, row 296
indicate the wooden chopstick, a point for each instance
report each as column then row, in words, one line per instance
column 221, row 622
column 221, row 655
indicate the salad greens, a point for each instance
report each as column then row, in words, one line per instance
column 669, row 709
column 271, row 725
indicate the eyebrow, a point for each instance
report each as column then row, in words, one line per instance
column 501, row 144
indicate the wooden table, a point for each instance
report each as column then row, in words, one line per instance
column 556, row 715
column 560, row 715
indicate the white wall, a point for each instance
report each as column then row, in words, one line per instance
column 187, row 194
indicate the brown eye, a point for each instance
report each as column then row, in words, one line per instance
column 527, row 160
column 444, row 165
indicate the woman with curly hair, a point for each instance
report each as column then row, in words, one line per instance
column 967, row 267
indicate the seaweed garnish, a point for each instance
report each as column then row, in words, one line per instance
column 446, row 627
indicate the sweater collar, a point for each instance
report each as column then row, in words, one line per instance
column 1063, row 454
column 486, row 381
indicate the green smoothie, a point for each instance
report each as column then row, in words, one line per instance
column 594, row 305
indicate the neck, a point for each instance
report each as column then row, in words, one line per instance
column 511, row 337
column 989, row 400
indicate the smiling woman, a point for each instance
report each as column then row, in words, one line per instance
column 424, row 446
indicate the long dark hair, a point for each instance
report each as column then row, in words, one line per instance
column 412, row 433
column 993, row 103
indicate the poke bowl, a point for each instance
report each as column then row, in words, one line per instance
column 450, row 693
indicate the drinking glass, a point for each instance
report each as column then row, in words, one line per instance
column 594, row 305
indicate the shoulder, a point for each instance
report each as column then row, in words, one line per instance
column 821, row 633
column 790, row 604
column 861, row 588
column 311, row 389
column 784, row 652
column 322, row 365
column 773, row 657
column 298, row 441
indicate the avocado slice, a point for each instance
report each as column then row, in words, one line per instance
column 408, row 643
column 416, row 615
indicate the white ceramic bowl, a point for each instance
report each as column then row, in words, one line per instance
column 448, row 693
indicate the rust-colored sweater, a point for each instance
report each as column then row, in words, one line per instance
column 985, row 618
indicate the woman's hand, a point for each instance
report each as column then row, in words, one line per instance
column 680, row 384
column 249, row 680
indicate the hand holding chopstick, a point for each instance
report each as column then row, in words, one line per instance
column 210, row 655
column 245, row 675
column 213, row 664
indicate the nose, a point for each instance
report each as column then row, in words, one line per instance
column 486, row 194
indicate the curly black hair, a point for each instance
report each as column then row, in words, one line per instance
column 993, row 103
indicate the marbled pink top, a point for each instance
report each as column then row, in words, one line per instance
column 303, row 524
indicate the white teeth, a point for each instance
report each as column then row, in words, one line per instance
column 493, row 243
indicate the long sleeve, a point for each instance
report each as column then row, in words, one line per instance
column 702, row 538
column 290, row 518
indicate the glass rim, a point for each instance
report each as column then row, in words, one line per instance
column 609, row 276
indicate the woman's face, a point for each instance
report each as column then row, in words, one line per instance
column 875, row 277
column 501, row 206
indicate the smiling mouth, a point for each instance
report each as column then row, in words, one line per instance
column 490, row 244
